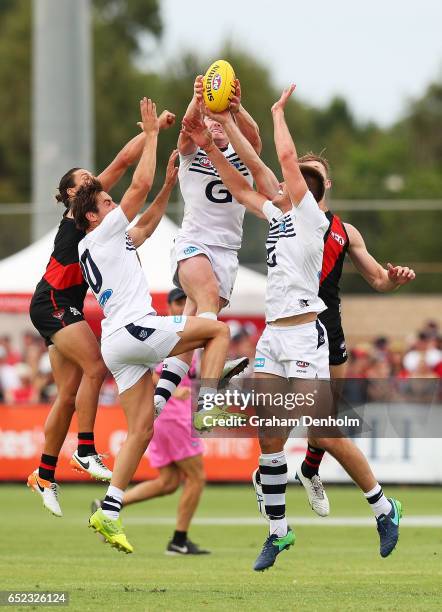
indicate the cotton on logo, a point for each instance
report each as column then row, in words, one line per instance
column 339, row 239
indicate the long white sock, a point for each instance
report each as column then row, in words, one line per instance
column 112, row 503
column 208, row 315
column 377, row 500
column 173, row 372
column 273, row 475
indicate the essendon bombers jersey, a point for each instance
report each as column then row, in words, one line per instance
column 335, row 247
column 63, row 277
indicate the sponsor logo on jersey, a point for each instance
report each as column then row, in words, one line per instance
column 259, row 362
column 303, row 303
column 104, row 297
column 302, row 364
column 205, row 162
column 58, row 314
column 190, row 249
column 339, row 239
column 177, row 318
column 216, row 81
column 74, row 311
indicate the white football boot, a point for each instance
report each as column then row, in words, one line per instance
column 92, row 465
column 48, row 492
column 317, row 497
column 259, row 496
column 233, row 367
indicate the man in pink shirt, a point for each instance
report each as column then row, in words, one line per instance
column 176, row 454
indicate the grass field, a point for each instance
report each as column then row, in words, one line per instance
column 330, row 567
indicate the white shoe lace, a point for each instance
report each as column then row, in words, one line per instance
column 54, row 489
column 99, row 462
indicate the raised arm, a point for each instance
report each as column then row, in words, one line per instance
column 266, row 181
column 130, row 154
column 142, row 179
column 247, row 125
column 185, row 145
column 286, row 150
column 148, row 222
column 232, row 179
column 379, row 278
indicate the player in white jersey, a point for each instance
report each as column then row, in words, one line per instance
column 134, row 339
column 205, row 252
column 386, row 510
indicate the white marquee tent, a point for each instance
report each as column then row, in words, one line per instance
column 20, row 273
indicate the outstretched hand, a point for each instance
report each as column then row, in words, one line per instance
column 280, row 104
column 400, row 275
column 197, row 131
column 149, row 117
column 223, row 117
column 166, row 120
column 171, row 170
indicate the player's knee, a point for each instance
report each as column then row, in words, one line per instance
column 141, row 436
column 96, row 371
column 170, row 485
column 66, row 397
column 223, row 331
column 199, row 479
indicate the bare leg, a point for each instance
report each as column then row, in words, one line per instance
column 166, row 483
column 137, row 403
column 67, row 377
column 193, row 469
column 199, row 283
column 78, row 344
column 338, row 371
column 214, row 336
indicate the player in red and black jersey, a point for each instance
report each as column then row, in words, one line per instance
column 340, row 239
column 57, row 313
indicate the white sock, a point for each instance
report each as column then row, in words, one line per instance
column 112, row 503
column 377, row 500
column 208, row 315
column 279, row 527
column 173, row 372
column 273, row 476
column 204, row 398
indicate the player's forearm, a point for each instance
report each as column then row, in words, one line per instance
column 265, row 180
column 232, row 179
column 145, row 171
column 285, row 147
column 382, row 282
column 149, row 220
column 128, row 155
column 249, row 128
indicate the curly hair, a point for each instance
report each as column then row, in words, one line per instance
column 86, row 201
column 66, row 182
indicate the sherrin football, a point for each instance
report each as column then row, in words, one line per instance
column 219, row 86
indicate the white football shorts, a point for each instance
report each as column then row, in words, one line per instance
column 224, row 262
column 138, row 347
column 296, row 351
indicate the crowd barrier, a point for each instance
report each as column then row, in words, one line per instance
column 411, row 460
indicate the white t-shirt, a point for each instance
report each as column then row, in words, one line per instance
column 211, row 213
column 111, row 267
column 295, row 246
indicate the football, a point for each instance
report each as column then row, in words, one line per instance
column 219, row 86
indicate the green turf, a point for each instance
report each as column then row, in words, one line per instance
column 328, row 569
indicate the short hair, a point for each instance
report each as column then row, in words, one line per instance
column 310, row 156
column 66, row 182
column 86, row 201
column 315, row 181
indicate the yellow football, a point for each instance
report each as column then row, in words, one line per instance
column 219, row 86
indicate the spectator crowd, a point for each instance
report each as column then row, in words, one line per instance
column 26, row 376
